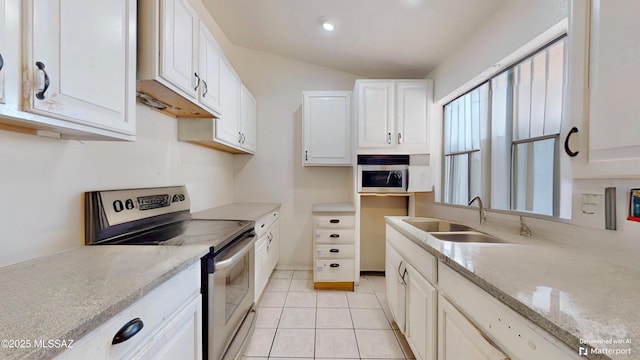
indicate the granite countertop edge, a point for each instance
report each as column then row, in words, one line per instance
column 554, row 329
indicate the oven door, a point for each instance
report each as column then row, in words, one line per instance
column 231, row 296
column 382, row 178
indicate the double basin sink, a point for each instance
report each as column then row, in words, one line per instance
column 453, row 232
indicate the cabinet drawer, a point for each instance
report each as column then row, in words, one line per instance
column 334, row 270
column 337, row 236
column 336, row 251
column 335, row 221
column 154, row 309
column 264, row 221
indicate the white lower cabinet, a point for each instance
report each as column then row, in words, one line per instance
column 395, row 274
column 460, row 339
column 267, row 250
column 334, row 246
column 421, row 316
column 171, row 319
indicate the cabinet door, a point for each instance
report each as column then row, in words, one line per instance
column 609, row 145
column 274, row 245
column 375, row 113
column 3, row 47
column 181, row 338
column 247, row 120
column 261, row 266
column 395, row 276
column 227, row 127
column 178, row 42
column 326, row 122
column 209, row 66
column 77, row 70
column 411, row 116
column 458, row 338
column 421, row 316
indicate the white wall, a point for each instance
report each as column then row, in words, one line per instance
column 275, row 173
column 43, row 180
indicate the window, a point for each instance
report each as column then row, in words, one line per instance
column 501, row 138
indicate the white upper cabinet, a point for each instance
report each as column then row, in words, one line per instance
column 248, row 130
column 179, row 46
column 78, row 56
column 228, row 125
column 209, row 66
column 603, row 74
column 326, row 127
column 375, row 113
column 59, row 81
column 392, row 116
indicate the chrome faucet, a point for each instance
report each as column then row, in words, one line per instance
column 480, row 208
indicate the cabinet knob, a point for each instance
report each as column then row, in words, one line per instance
column 128, row 331
column 197, row 81
column 40, row 94
column 399, row 138
column 389, row 138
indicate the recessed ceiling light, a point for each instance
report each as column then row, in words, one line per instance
column 328, row 24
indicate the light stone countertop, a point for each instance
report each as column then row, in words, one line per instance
column 333, row 208
column 236, row 211
column 66, row 295
column 571, row 292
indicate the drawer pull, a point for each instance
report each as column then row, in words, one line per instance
column 128, row 331
column 334, row 250
column 334, row 236
column 334, row 265
column 334, row 221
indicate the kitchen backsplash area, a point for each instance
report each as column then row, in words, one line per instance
column 44, row 180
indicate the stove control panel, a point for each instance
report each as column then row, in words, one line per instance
column 122, row 206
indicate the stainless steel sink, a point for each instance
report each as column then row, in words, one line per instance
column 437, row 225
column 467, row 237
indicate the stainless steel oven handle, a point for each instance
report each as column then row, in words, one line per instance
column 235, row 256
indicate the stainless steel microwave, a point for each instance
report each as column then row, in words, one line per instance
column 382, row 178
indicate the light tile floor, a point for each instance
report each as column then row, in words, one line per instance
column 297, row 322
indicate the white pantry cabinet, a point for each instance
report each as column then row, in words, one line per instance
column 602, row 86
column 326, row 128
column 60, row 82
column 171, row 319
column 392, row 116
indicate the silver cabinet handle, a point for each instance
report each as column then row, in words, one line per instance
column 206, row 88
column 389, row 138
column 197, row 81
column 399, row 138
column 240, row 137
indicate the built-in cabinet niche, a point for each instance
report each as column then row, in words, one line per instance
column 183, row 72
column 601, row 88
column 59, row 82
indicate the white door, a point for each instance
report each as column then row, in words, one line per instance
column 411, row 116
column 459, row 339
column 261, row 266
column 209, row 65
column 395, row 281
column 247, row 119
column 3, row 48
column 326, row 118
column 227, row 126
column 421, row 316
column 178, row 43
column 181, row 338
column 274, row 246
column 375, row 113
column 77, row 70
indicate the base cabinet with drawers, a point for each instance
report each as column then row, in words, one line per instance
column 171, row 319
column 267, row 247
column 444, row 316
column 334, row 246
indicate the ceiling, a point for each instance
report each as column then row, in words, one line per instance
column 373, row 38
